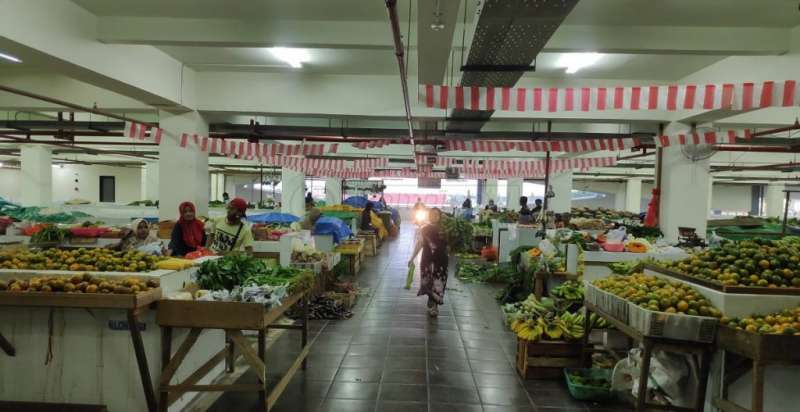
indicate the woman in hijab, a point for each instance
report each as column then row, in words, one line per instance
column 433, row 264
column 136, row 236
column 188, row 234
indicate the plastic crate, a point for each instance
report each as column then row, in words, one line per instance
column 589, row 393
column 672, row 326
column 613, row 305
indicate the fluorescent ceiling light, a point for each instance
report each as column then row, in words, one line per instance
column 294, row 57
column 576, row 61
column 1, row 164
column 10, row 58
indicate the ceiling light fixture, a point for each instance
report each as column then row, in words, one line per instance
column 576, row 61
column 10, row 58
column 437, row 24
column 294, row 57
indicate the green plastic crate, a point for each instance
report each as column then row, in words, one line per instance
column 589, row 393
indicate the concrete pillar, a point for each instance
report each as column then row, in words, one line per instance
column 183, row 171
column 514, row 191
column 619, row 196
column 684, row 191
column 633, row 195
column 490, row 191
column 562, row 187
column 36, row 177
column 333, row 191
column 710, row 195
column 774, row 200
column 150, row 181
column 293, row 192
column 217, row 186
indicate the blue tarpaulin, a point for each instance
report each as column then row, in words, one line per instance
column 332, row 226
column 361, row 201
column 270, row 218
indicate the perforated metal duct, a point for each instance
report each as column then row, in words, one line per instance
column 508, row 33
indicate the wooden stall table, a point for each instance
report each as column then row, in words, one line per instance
column 650, row 344
column 233, row 318
column 133, row 304
column 746, row 351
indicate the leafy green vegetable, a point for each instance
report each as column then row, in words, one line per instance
column 49, row 234
column 239, row 269
column 472, row 273
column 458, row 233
column 516, row 254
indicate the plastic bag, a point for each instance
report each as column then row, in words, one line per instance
column 616, row 235
column 200, row 252
column 410, row 276
column 154, row 248
column 715, row 240
column 547, row 248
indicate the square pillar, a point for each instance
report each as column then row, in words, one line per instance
column 514, row 191
column 333, row 191
column 489, row 191
column 36, row 178
column 293, row 192
column 684, row 191
column 183, row 171
column 150, row 181
column 774, row 200
column 217, row 186
column 633, row 195
column 562, row 188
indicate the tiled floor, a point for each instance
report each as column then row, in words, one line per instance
column 391, row 357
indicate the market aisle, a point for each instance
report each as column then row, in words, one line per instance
column 391, row 357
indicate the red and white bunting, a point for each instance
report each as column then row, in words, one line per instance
column 140, row 131
column 374, row 144
column 370, row 163
column 695, row 138
column 568, row 146
column 729, row 96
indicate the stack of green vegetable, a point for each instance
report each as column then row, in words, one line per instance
column 458, row 233
column 472, row 273
column 569, row 290
column 242, row 270
column 49, row 234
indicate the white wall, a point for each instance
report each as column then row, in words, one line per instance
column 731, row 198
column 9, row 184
column 128, row 181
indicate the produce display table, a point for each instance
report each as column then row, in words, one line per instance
column 649, row 344
column 93, row 360
column 133, row 305
column 233, row 318
column 754, row 352
column 596, row 263
column 87, row 242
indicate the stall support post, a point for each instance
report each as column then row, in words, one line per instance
column 182, row 171
column 141, row 361
column 37, row 175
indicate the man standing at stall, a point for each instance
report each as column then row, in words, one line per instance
column 231, row 233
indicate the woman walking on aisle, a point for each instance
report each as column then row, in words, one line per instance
column 433, row 264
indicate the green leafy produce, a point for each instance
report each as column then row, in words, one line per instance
column 458, row 233
column 582, row 378
column 472, row 273
column 239, row 269
column 643, row 231
column 625, row 268
column 49, row 234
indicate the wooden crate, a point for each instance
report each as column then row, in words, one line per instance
column 764, row 348
column 165, row 229
column 80, row 300
column 547, row 359
column 347, row 300
column 10, row 406
column 370, row 243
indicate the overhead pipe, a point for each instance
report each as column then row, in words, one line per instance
column 71, row 146
column 795, row 126
column 391, row 6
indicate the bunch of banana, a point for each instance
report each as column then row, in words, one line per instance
column 572, row 325
column 530, row 330
column 598, row 322
column 570, row 290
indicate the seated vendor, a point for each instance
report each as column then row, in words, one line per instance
column 366, row 217
column 231, row 233
column 188, row 234
column 137, row 236
column 311, row 219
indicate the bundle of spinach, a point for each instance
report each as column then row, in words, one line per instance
column 298, row 279
column 229, row 271
column 502, row 273
column 458, row 233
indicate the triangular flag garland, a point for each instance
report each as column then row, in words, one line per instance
column 726, row 96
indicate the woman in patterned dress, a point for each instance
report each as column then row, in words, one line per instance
column 433, row 264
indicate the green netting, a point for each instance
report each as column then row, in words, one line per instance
column 34, row 214
column 767, row 231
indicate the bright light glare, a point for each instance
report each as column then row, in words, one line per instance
column 294, row 57
column 421, row 215
column 10, row 58
column 576, row 61
column 1, row 164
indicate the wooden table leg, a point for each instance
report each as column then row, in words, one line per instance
column 141, row 360
column 644, row 375
column 230, row 359
column 304, row 339
column 6, row 346
column 705, row 365
column 586, row 357
column 758, row 386
column 262, row 354
column 166, row 355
